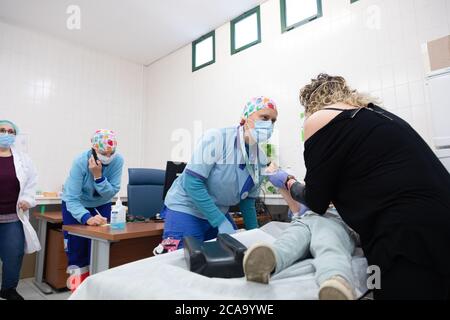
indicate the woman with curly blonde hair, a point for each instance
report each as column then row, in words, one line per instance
column 326, row 90
column 385, row 182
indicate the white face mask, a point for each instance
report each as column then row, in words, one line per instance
column 106, row 160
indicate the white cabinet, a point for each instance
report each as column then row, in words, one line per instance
column 439, row 90
column 444, row 156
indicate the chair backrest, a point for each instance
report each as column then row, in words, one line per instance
column 145, row 191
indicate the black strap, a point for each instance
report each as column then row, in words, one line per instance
column 382, row 113
column 356, row 110
column 370, row 107
column 335, row 109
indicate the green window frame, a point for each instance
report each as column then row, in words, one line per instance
column 233, row 23
column 194, row 50
column 285, row 27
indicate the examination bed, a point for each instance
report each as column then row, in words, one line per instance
column 166, row 277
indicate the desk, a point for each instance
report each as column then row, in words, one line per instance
column 270, row 199
column 42, row 201
column 104, row 237
column 110, row 248
column 43, row 219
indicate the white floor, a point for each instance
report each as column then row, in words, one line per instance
column 29, row 291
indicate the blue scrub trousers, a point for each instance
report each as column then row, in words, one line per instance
column 78, row 249
column 12, row 243
column 179, row 224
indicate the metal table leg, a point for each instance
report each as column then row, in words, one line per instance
column 40, row 259
column 99, row 256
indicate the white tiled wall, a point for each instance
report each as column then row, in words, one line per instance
column 375, row 44
column 59, row 93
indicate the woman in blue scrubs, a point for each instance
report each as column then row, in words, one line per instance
column 87, row 196
column 225, row 170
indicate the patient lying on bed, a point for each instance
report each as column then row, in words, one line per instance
column 326, row 237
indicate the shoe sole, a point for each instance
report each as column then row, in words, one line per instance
column 258, row 263
column 334, row 291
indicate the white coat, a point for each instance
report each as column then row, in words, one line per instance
column 26, row 174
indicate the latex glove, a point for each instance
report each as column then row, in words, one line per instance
column 226, row 227
column 278, row 179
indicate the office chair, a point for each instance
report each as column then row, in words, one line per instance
column 145, row 192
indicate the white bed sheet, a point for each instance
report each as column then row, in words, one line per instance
column 166, row 277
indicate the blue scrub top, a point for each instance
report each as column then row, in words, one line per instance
column 80, row 189
column 218, row 161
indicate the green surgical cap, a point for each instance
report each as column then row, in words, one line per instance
column 16, row 129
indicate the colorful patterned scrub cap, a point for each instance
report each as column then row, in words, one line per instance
column 256, row 104
column 104, row 140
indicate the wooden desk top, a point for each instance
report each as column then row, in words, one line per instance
column 52, row 217
column 132, row 230
column 41, row 200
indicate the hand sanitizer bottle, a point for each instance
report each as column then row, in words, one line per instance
column 118, row 216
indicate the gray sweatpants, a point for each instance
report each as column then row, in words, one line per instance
column 326, row 238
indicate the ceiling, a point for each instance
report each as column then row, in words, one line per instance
column 141, row 31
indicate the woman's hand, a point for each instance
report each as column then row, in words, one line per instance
column 97, row 220
column 95, row 168
column 23, row 205
column 290, row 183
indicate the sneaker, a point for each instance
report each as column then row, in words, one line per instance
column 76, row 277
column 10, row 294
column 336, row 288
column 259, row 262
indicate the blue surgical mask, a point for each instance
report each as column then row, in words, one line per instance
column 7, row 140
column 262, row 131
